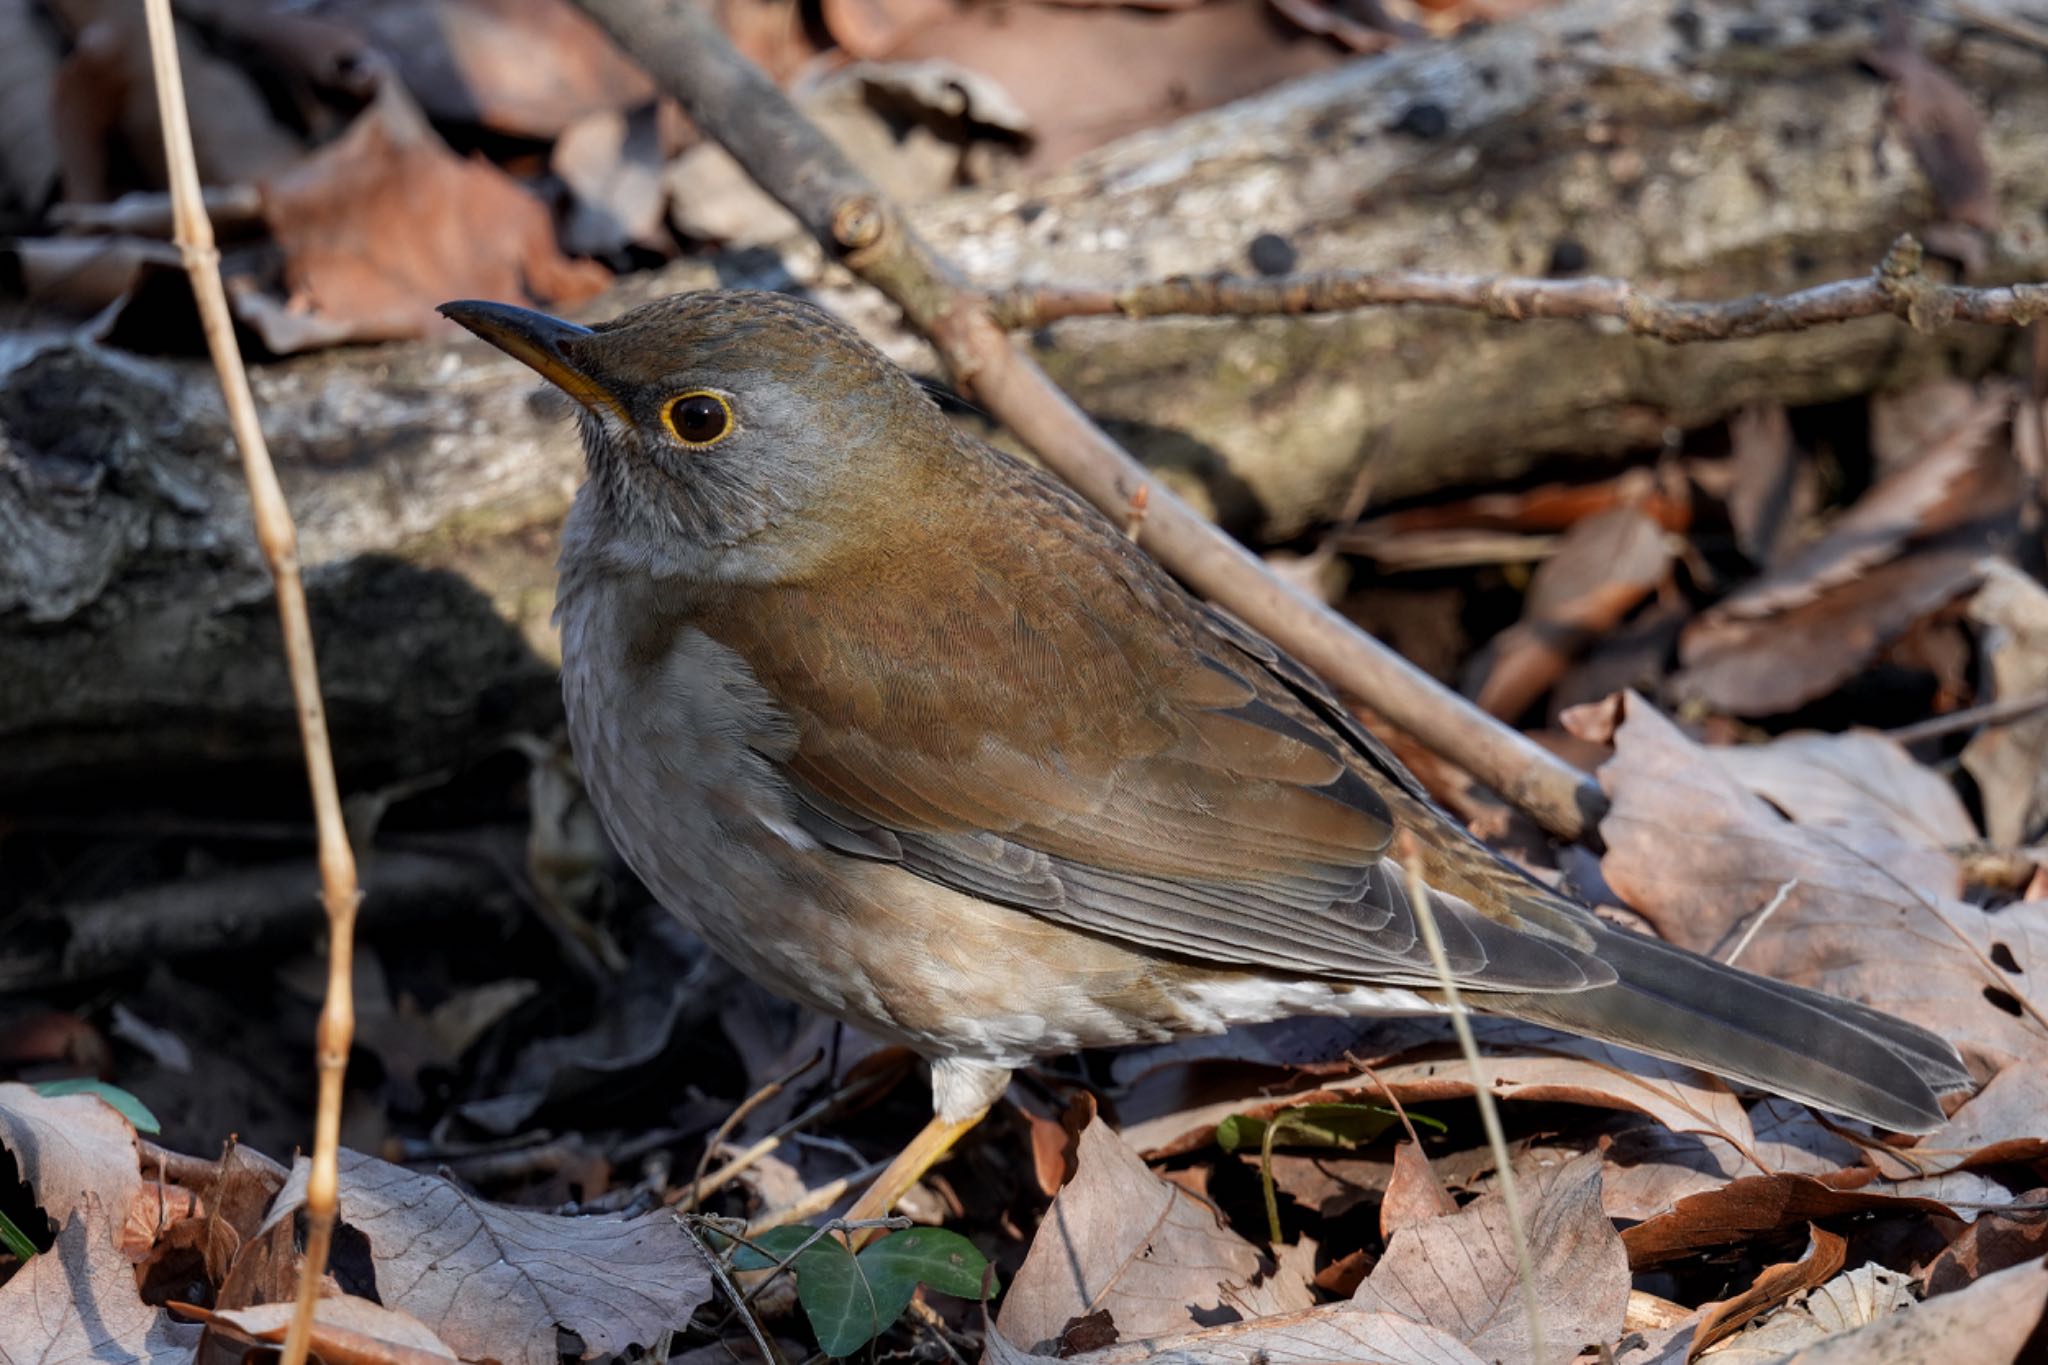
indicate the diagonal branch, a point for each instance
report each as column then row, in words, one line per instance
column 729, row 98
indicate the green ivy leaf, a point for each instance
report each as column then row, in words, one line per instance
column 771, row 1248
column 941, row 1260
column 130, row 1108
column 846, row 1311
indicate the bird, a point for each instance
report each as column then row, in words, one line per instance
column 915, row 736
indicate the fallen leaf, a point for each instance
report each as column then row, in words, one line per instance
column 379, row 225
column 1825, row 1253
column 1766, row 495
column 2005, row 1123
column 76, row 1303
column 1119, row 1238
column 1338, row 1331
column 1941, row 124
column 1413, row 1194
column 2000, row 1238
column 1458, row 1273
column 1754, row 1206
column 475, row 62
column 1698, row 855
column 495, row 1282
column 1995, row 1321
column 72, row 1150
column 612, row 163
column 1603, row 568
column 345, row 1328
column 1851, row 1300
column 2011, row 613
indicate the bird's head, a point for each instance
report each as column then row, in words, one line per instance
column 729, row 434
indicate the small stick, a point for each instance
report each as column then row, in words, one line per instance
column 1777, row 900
column 1987, row 713
column 279, row 540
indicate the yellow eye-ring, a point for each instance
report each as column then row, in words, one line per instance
column 698, row 418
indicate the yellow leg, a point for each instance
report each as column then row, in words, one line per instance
column 910, row 1164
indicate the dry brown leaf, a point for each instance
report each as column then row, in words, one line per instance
column 2006, row 1122
column 346, row 1329
column 1119, row 1238
column 1337, row 1331
column 1995, row 1321
column 480, row 61
column 1927, row 496
column 1413, row 1194
column 1458, row 1273
column 1942, row 126
column 385, row 222
column 2011, row 613
column 1603, row 568
column 1753, row 1206
column 1859, row 779
column 76, row 1304
column 1774, row 664
column 1849, row 1301
column 1698, row 856
column 1765, row 497
column 1825, row 1253
column 613, row 165
column 2000, row 1238
column 495, row 1282
column 71, row 1150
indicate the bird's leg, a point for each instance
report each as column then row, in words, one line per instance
column 962, row 1094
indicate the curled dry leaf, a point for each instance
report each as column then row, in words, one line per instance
column 77, row 1303
column 495, row 1282
column 1458, row 1273
column 1808, row 625
column 2011, row 613
column 384, row 222
column 1941, row 124
column 1995, row 1321
column 73, row 1150
column 1603, row 568
column 1825, row 1253
column 1413, row 1194
column 1754, row 1206
column 1998, row 1239
column 1766, row 496
column 345, row 1328
column 1698, row 855
column 1118, row 1238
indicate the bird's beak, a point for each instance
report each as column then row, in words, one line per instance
column 538, row 341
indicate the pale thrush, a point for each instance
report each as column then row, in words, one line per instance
column 915, row 736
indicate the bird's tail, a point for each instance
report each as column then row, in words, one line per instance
column 1818, row 1049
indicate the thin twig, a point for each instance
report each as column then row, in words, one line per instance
column 698, row 1190
column 279, row 540
column 818, row 1200
column 1897, row 288
column 739, row 1301
column 1409, row 854
column 1758, row 922
column 1988, row 713
column 747, row 1106
column 730, row 99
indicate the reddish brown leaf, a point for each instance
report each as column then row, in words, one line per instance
column 1764, row 499
column 1752, row 1207
column 2005, row 1123
column 1603, row 568
column 1825, row 1253
column 385, row 222
column 1999, row 1238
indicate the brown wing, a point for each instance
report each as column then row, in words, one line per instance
column 1049, row 722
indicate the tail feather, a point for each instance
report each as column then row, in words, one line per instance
column 1827, row 1052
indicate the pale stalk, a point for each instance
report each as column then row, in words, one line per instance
column 193, row 233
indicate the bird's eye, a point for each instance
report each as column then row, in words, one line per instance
column 698, row 418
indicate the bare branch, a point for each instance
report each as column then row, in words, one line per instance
column 729, row 98
column 1897, row 288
